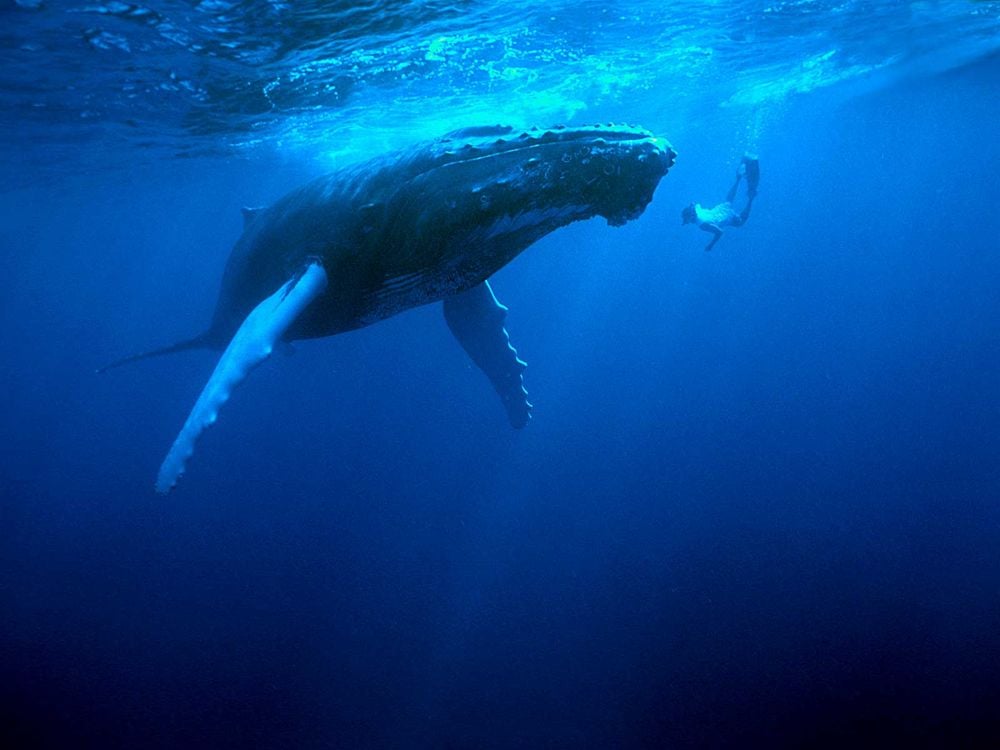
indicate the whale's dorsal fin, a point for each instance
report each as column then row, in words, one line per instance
column 249, row 214
column 476, row 319
column 251, row 345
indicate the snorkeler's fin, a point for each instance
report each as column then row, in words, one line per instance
column 751, row 165
column 476, row 319
column 253, row 343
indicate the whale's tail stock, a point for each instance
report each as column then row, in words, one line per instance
column 201, row 341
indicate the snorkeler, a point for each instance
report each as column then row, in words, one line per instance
column 723, row 215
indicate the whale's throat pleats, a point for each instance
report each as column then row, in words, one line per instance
column 252, row 344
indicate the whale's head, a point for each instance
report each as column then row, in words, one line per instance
column 607, row 170
column 508, row 187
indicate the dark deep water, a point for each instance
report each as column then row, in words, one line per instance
column 757, row 505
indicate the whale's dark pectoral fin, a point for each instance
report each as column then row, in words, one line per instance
column 476, row 318
column 251, row 345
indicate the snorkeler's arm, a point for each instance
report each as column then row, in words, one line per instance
column 714, row 230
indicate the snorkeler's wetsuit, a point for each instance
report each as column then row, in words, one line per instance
column 721, row 215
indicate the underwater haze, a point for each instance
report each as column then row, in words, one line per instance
column 757, row 504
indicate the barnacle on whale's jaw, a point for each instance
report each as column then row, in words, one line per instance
column 607, row 170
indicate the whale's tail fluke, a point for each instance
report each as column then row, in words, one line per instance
column 201, row 341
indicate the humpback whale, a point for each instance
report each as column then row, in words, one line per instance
column 430, row 224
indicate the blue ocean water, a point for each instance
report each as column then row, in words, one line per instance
column 757, row 505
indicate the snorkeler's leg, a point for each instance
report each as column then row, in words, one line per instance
column 731, row 195
column 751, row 167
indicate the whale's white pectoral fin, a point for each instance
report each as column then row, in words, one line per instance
column 252, row 344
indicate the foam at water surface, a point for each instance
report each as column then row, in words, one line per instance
column 175, row 78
